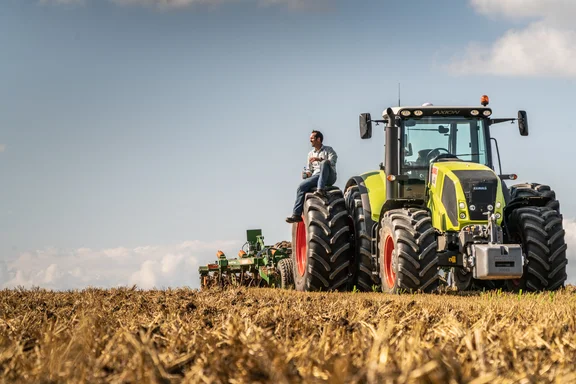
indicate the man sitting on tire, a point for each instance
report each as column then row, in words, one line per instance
column 321, row 172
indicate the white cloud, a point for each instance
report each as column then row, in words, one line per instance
column 559, row 11
column 2, row 147
column 546, row 47
column 51, row 274
column 570, row 237
column 146, row 266
column 145, row 277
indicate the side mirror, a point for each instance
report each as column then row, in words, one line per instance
column 365, row 126
column 523, row 123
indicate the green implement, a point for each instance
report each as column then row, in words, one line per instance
column 257, row 265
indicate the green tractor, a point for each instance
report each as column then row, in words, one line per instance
column 435, row 206
column 257, row 265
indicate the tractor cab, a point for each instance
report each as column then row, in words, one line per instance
column 428, row 138
column 417, row 137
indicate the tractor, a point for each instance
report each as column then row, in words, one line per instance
column 436, row 211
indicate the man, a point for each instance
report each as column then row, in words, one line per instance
column 321, row 172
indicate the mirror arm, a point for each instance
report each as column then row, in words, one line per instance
column 498, row 121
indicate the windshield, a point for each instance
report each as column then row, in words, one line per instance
column 428, row 137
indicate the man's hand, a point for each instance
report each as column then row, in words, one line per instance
column 312, row 159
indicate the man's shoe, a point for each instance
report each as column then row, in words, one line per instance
column 293, row 219
column 320, row 193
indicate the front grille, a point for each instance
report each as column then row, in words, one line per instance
column 480, row 188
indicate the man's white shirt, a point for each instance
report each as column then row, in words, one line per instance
column 325, row 152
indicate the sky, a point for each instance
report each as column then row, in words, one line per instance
column 138, row 137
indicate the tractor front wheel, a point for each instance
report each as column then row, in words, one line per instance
column 540, row 232
column 407, row 251
column 321, row 244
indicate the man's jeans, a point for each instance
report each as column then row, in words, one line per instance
column 321, row 180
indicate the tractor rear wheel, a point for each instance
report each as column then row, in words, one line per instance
column 321, row 244
column 540, row 232
column 535, row 190
column 363, row 277
column 286, row 269
column 407, row 251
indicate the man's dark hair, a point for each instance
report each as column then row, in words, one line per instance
column 319, row 135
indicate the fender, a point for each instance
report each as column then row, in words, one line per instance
column 359, row 181
column 373, row 193
column 370, row 186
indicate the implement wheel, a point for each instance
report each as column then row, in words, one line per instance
column 286, row 269
column 321, row 247
column 363, row 277
column 540, row 232
column 407, row 251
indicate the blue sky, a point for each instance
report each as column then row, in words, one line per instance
column 139, row 136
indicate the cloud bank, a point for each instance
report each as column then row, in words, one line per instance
column 545, row 47
column 146, row 266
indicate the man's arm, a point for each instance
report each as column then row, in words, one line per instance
column 332, row 157
column 309, row 165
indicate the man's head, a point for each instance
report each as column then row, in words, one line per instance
column 316, row 139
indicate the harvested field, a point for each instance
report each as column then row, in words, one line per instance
column 266, row 335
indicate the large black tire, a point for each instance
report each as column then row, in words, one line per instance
column 286, row 269
column 535, row 190
column 540, row 232
column 362, row 278
column 321, row 244
column 407, row 251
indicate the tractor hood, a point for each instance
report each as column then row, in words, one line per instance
column 463, row 193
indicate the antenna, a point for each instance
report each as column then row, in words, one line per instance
column 399, row 94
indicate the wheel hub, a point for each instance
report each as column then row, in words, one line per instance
column 301, row 248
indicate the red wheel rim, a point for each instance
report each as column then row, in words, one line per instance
column 388, row 270
column 301, row 249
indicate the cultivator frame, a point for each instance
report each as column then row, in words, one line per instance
column 257, row 265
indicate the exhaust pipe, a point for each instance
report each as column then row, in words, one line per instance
column 391, row 166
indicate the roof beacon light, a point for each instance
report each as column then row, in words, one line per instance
column 484, row 100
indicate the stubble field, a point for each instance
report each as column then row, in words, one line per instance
column 266, row 335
